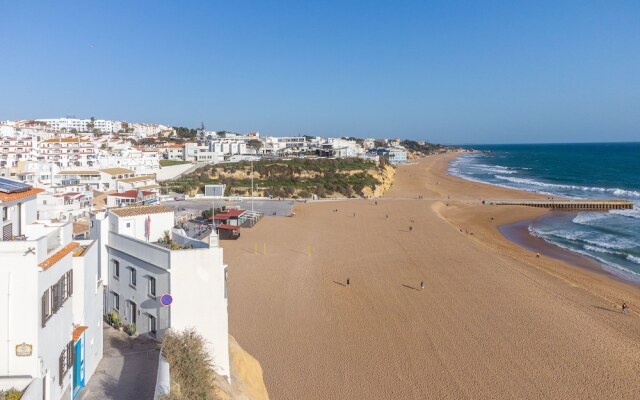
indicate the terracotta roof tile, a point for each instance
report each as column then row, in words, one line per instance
column 59, row 255
column 133, row 211
column 77, row 332
column 5, row 197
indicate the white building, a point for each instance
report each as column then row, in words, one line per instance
column 67, row 206
column 81, row 125
column 147, row 258
column 68, row 152
column 52, row 291
column 16, row 149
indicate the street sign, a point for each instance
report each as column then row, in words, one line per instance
column 166, row 300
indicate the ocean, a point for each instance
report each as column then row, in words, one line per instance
column 584, row 171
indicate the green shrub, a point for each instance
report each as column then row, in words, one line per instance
column 131, row 329
column 191, row 366
column 11, row 394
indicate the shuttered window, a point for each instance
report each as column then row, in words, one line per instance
column 65, row 362
column 46, row 306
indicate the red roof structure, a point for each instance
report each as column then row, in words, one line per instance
column 228, row 227
column 229, row 214
column 133, row 194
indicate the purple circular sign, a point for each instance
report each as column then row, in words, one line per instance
column 166, row 299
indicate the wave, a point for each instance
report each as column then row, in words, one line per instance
column 633, row 259
column 635, row 213
column 585, row 218
column 615, row 191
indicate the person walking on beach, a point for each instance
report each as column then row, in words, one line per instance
column 410, row 228
column 348, row 282
column 537, row 255
column 625, row 307
column 422, row 285
column 387, row 217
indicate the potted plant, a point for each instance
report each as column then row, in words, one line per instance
column 131, row 329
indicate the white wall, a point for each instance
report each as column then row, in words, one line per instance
column 135, row 226
column 198, row 287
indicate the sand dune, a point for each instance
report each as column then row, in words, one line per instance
column 493, row 322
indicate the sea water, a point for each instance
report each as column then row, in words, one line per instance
column 580, row 171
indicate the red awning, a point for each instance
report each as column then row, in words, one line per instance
column 228, row 227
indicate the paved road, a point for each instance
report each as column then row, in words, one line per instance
column 127, row 370
column 267, row 207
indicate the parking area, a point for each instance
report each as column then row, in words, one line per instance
column 280, row 208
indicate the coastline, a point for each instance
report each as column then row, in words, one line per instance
column 518, row 233
column 492, row 322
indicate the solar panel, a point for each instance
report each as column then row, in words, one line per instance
column 11, row 186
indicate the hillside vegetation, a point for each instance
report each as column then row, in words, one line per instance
column 297, row 178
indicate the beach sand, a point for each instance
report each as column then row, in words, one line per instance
column 493, row 322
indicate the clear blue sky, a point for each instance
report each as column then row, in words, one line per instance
column 469, row 72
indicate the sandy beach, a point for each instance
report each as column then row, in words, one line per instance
column 493, row 321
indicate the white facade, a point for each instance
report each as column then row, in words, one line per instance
column 53, row 299
column 63, row 206
column 68, row 152
column 141, row 270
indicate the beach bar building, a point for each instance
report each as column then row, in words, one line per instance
column 231, row 216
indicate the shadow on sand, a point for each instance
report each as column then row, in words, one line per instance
column 411, row 287
column 339, row 283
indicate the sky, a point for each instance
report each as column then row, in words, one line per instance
column 448, row 72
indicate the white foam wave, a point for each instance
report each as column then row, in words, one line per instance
column 633, row 259
column 600, row 250
column 585, row 218
column 531, row 182
column 635, row 213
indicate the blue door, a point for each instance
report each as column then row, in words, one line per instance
column 78, row 367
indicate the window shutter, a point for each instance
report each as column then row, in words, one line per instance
column 70, row 354
column 54, row 305
column 61, row 368
column 44, row 307
column 70, row 283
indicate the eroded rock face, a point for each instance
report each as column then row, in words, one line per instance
column 247, row 382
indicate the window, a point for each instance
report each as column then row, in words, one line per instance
column 46, row 307
column 116, row 301
column 132, row 311
column 116, row 269
column 65, row 361
column 5, row 213
column 152, row 324
column 152, row 286
column 128, row 224
column 132, row 276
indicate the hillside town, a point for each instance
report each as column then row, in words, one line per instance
column 90, row 240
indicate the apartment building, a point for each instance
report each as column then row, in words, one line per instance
column 139, row 160
column 159, row 278
column 68, row 152
column 52, row 324
column 81, row 125
column 16, row 149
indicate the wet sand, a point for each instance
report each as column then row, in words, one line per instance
column 493, row 322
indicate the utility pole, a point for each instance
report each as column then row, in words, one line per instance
column 252, row 186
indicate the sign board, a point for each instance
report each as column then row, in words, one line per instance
column 24, row 350
column 166, row 300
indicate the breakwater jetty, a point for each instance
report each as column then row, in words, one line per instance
column 566, row 205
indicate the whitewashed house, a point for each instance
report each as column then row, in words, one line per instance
column 52, row 292
column 144, row 268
